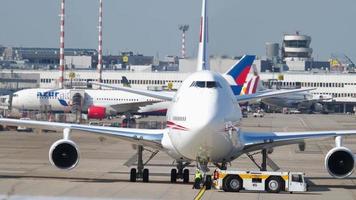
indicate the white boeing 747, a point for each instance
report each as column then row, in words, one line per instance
column 202, row 127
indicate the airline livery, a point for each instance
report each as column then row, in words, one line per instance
column 202, row 127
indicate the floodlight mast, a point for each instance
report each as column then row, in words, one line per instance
column 61, row 48
column 100, row 42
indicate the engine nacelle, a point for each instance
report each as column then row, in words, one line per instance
column 64, row 154
column 96, row 112
column 340, row 162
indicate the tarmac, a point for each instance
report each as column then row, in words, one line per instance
column 25, row 172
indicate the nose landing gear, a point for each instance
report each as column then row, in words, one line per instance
column 180, row 173
column 201, row 177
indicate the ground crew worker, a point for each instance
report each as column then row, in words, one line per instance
column 197, row 179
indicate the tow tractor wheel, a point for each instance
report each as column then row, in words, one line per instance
column 232, row 184
column 145, row 175
column 133, row 175
column 173, row 175
column 186, row 176
column 274, row 185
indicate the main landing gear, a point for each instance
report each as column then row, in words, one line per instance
column 180, row 173
column 143, row 173
column 140, row 172
column 265, row 161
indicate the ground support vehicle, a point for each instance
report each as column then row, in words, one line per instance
column 274, row 182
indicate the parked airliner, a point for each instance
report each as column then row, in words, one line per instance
column 96, row 103
column 202, row 127
column 303, row 101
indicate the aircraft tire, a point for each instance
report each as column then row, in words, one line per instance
column 145, row 175
column 208, row 182
column 173, row 175
column 186, row 176
column 133, row 175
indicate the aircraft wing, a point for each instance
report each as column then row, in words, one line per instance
column 262, row 95
column 145, row 137
column 158, row 95
column 260, row 140
column 131, row 107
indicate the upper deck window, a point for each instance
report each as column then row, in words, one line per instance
column 205, row 84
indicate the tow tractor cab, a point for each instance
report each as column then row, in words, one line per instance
column 234, row 181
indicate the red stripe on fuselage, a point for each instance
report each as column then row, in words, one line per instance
column 176, row 126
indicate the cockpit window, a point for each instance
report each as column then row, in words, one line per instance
column 212, row 84
column 200, row 84
column 205, row 84
column 15, row 95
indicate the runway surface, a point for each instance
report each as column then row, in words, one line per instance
column 25, row 172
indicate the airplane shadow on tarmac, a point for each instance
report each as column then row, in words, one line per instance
column 326, row 187
column 312, row 186
column 91, row 180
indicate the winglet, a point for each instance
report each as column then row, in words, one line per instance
column 203, row 57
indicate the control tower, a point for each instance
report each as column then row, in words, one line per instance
column 296, row 47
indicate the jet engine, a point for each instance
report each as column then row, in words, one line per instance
column 340, row 162
column 64, row 154
column 96, row 112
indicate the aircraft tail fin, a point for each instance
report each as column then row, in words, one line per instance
column 203, row 57
column 239, row 72
column 254, row 84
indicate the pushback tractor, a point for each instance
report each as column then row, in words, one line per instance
column 274, row 182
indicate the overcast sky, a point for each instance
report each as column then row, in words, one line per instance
column 151, row 26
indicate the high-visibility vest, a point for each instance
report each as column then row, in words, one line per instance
column 198, row 175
